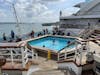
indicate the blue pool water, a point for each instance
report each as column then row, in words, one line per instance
column 52, row 43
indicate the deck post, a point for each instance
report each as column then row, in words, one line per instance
column 0, row 71
column 32, row 54
column 23, row 62
column 58, row 56
column 88, row 49
column 36, row 56
column 76, row 51
column 12, row 60
column 81, row 54
column 65, row 54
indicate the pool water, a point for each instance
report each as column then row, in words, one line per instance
column 52, row 43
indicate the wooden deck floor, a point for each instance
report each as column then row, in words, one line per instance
column 16, row 66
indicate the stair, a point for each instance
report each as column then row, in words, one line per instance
column 97, row 31
column 89, row 72
column 72, row 72
column 96, row 35
column 48, row 72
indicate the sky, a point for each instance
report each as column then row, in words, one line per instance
column 36, row 11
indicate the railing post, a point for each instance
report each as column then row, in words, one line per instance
column 81, row 54
column 12, row 60
column 36, row 56
column 23, row 62
column 65, row 55
column 87, row 45
column 76, row 50
column 32, row 54
column 58, row 56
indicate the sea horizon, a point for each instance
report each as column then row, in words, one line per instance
column 25, row 28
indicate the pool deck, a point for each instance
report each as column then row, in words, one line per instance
column 92, row 46
column 15, row 66
column 24, row 43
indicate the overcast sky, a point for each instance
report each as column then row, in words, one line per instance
column 36, row 10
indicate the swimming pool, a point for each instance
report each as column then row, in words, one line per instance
column 52, row 43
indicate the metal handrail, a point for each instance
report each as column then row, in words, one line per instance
column 66, row 46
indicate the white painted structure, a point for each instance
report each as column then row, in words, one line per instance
column 13, row 53
column 71, row 67
column 97, row 57
column 88, row 14
column 75, row 63
column 97, row 63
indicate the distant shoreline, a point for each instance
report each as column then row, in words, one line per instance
column 14, row 23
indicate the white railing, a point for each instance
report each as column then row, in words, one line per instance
column 86, row 33
column 28, row 53
column 22, row 52
column 66, row 55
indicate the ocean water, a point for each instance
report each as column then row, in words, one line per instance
column 25, row 28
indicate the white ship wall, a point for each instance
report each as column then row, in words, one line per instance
column 94, row 11
column 91, row 7
column 91, row 10
column 78, row 23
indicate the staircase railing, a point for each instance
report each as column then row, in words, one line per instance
column 66, row 54
column 86, row 33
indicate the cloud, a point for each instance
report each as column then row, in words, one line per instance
column 53, row 0
column 27, row 10
column 2, row 13
column 9, row 0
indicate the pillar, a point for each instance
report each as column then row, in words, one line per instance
column 23, row 62
column 0, row 71
column 32, row 54
column 76, row 43
column 81, row 54
column 58, row 56
column 12, row 59
column 65, row 54
column 88, row 49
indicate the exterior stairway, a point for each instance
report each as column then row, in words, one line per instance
column 46, row 67
column 48, row 72
column 96, row 35
column 91, row 34
column 89, row 72
column 72, row 72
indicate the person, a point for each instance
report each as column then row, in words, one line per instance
column 4, row 37
column 46, row 30
column 58, row 32
column 12, row 34
column 68, row 42
column 53, row 41
column 89, row 25
column 32, row 34
column 63, row 33
column 43, row 45
column 53, row 32
column 18, row 39
column 10, row 40
column 39, row 34
column 68, row 34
